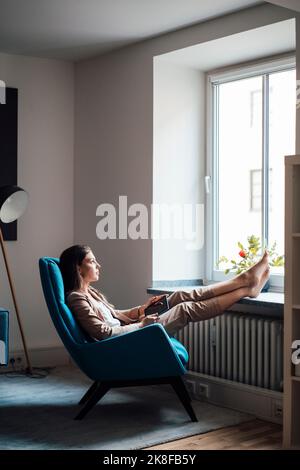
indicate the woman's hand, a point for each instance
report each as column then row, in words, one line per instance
column 151, row 301
column 149, row 320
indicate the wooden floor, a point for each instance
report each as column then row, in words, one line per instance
column 253, row 435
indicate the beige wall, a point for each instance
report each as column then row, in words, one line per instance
column 114, row 142
column 113, row 156
column 45, row 169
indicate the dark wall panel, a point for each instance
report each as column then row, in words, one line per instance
column 9, row 150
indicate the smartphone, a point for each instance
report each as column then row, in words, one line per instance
column 161, row 306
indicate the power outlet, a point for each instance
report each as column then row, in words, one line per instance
column 191, row 386
column 16, row 362
column 203, row 390
column 277, row 409
column 19, row 361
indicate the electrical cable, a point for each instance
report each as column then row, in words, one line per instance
column 38, row 372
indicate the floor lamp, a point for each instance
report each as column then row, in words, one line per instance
column 13, row 203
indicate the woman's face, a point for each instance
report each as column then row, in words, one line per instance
column 89, row 268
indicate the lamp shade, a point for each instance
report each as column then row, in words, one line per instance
column 13, row 203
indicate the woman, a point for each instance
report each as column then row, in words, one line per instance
column 101, row 320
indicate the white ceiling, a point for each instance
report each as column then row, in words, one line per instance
column 76, row 29
column 242, row 47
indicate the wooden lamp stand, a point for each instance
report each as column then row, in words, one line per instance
column 12, row 289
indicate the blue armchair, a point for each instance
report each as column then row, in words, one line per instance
column 144, row 357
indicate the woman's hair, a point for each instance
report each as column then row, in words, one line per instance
column 69, row 261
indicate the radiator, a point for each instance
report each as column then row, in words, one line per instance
column 238, row 347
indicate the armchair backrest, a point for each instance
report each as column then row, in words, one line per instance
column 62, row 317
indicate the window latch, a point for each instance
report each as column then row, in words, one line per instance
column 207, row 184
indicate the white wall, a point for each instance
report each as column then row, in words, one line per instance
column 178, row 167
column 45, row 170
column 114, row 142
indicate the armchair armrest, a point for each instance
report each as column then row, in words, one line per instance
column 144, row 353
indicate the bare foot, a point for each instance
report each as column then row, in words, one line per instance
column 255, row 290
column 253, row 275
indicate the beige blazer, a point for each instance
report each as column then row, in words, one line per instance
column 88, row 314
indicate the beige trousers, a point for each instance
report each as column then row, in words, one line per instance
column 189, row 306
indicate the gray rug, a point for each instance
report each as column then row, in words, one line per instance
column 38, row 414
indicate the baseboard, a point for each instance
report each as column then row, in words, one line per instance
column 40, row 357
column 260, row 402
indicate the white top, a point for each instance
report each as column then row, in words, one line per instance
column 106, row 313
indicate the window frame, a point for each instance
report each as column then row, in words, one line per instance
column 213, row 79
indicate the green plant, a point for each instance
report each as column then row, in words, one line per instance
column 251, row 255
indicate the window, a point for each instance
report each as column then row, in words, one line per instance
column 255, row 189
column 253, row 128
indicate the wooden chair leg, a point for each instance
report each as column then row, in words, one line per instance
column 182, row 393
column 100, row 391
column 87, row 395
